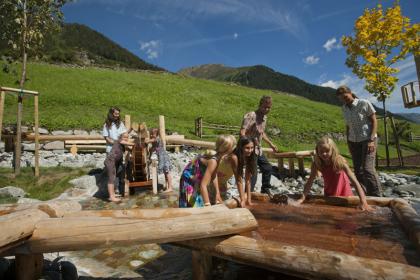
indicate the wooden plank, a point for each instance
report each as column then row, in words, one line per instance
column 280, row 164
column 147, row 183
column 301, row 165
column 85, row 142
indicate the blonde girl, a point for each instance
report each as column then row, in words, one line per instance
column 200, row 172
column 335, row 171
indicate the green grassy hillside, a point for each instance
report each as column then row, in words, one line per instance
column 79, row 98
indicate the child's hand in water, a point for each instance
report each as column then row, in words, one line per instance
column 365, row 207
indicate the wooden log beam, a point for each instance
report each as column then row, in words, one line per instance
column 148, row 214
column 72, row 234
column 36, row 120
column 18, row 225
column 162, row 131
column 301, row 261
column 409, row 219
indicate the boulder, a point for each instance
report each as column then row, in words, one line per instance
column 42, row 130
column 61, row 132
column 55, row 145
column 80, row 132
column 10, row 191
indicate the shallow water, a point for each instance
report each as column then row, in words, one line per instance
column 375, row 235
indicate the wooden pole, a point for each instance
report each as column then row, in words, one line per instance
column 154, row 177
column 36, row 120
column 127, row 122
column 291, row 167
column 201, row 265
column 162, row 132
column 397, row 141
column 301, row 166
column 2, row 96
column 200, row 127
column 29, row 267
column 280, row 164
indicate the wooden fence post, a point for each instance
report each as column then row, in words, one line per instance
column 127, row 122
column 291, row 167
column 29, row 267
column 301, row 165
column 280, row 164
column 397, row 142
column 201, row 265
column 162, row 132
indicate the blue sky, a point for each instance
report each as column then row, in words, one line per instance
column 299, row 37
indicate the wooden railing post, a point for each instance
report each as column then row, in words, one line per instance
column 36, row 120
column 162, row 132
column 291, row 167
column 29, row 267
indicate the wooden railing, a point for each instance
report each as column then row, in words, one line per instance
column 200, row 125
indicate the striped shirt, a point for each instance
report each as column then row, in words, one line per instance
column 357, row 118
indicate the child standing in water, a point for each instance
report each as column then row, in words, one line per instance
column 114, row 159
column 164, row 163
column 202, row 170
column 336, row 173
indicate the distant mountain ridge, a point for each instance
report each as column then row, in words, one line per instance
column 81, row 45
column 263, row 77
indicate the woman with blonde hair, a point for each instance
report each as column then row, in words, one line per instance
column 202, row 171
column 335, row 171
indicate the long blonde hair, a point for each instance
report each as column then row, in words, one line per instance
column 225, row 144
column 337, row 161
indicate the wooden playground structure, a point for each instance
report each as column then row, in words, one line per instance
column 28, row 231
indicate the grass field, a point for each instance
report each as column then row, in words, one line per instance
column 79, row 98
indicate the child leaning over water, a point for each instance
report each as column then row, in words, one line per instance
column 336, row 173
column 164, row 163
column 200, row 172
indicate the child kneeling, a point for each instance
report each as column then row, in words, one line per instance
column 336, row 173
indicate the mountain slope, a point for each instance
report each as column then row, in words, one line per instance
column 263, row 77
column 81, row 45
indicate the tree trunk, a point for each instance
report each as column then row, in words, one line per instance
column 20, row 96
column 386, row 133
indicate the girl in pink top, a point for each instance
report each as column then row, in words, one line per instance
column 335, row 171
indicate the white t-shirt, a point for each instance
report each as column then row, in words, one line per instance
column 114, row 133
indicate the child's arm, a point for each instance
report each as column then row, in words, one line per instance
column 210, row 170
column 238, row 179
column 248, row 176
column 308, row 185
column 363, row 203
column 216, row 186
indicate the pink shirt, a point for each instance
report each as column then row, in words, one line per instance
column 336, row 184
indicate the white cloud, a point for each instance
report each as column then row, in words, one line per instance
column 151, row 48
column 311, row 60
column 332, row 44
column 235, row 35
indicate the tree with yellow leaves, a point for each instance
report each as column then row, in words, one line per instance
column 381, row 38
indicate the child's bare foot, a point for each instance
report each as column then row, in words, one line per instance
column 114, row 199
